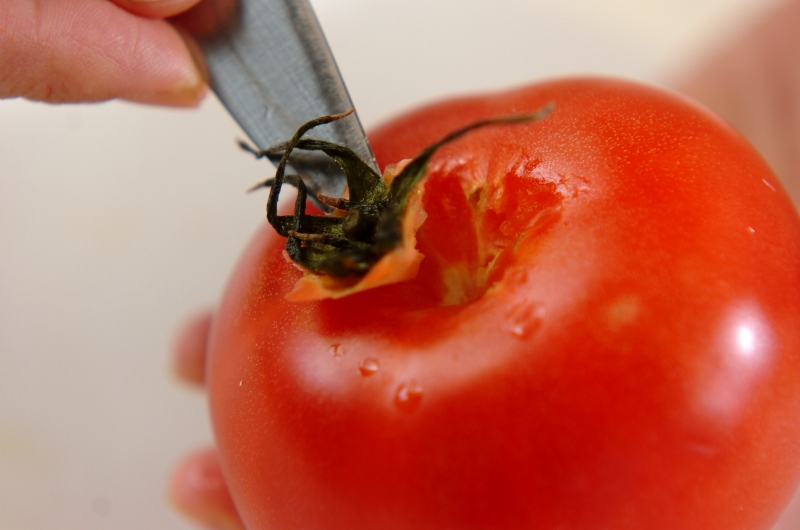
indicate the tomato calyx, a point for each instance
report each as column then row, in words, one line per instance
column 368, row 223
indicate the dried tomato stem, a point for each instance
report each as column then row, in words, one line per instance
column 349, row 244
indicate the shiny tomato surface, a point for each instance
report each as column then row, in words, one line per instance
column 604, row 334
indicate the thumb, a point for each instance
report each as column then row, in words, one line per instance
column 92, row 50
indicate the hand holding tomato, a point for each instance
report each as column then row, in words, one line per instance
column 722, row 78
column 197, row 487
column 602, row 333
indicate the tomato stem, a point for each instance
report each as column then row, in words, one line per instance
column 367, row 224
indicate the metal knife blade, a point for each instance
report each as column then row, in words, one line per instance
column 270, row 65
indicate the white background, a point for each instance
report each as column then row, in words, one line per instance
column 117, row 220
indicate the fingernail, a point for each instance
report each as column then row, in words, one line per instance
column 197, row 55
column 189, row 96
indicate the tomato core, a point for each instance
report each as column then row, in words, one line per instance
column 475, row 221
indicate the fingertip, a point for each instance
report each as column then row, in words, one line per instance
column 189, row 351
column 197, row 489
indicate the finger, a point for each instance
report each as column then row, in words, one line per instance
column 189, row 353
column 207, row 17
column 91, row 50
column 753, row 82
column 197, row 489
column 156, row 8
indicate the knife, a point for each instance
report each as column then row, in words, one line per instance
column 271, row 67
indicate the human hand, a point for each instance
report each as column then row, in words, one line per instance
column 197, row 487
column 93, row 50
column 753, row 81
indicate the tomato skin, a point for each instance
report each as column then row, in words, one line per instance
column 632, row 363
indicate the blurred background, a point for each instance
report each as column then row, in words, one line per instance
column 119, row 220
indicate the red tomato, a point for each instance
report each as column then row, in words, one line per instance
column 604, row 334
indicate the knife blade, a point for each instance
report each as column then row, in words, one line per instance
column 270, row 65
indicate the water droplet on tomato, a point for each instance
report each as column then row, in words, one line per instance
column 368, row 366
column 336, row 351
column 524, row 319
column 408, row 396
